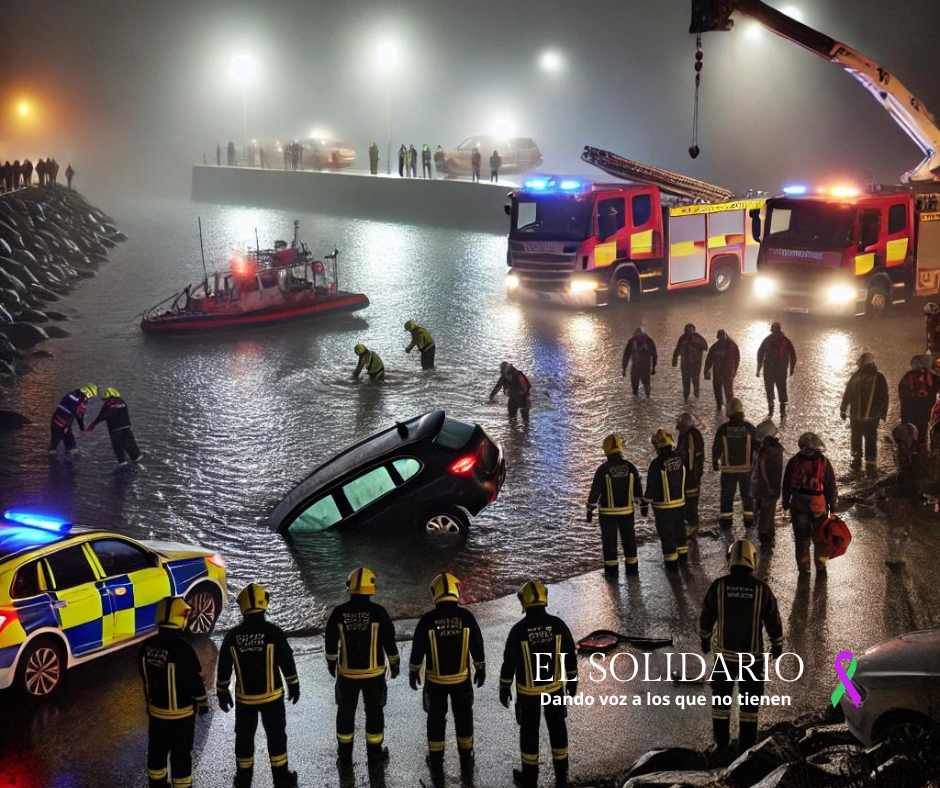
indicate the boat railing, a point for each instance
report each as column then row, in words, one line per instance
column 164, row 307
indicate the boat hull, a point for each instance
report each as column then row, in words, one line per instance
column 285, row 313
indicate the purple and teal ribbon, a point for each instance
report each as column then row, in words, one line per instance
column 845, row 680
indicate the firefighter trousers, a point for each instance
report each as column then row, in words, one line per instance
column 691, row 512
column 173, row 740
column 638, row 376
column 765, row 512
column 730, row 483
column 723, row 698
column 436, row 697
column 60, row 435
column 806, row 524
column 723, row 388
column 520, row 403
column 670, row 525
column 865, row 433
column 776, row 379
column 274, row 720
column 427, row 358
column 691, row 375
column 374, row 695
column 529, row 715
column 124, row 445
column 611, row 525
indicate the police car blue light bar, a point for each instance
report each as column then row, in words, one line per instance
column 32, row 520
column 795, row 189
column 537, row 184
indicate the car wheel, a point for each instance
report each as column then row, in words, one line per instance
column 41, row 668
column 723, row 279
column 206, row 604
column 447, row 524
column 902, row 726
column 878, row 302
column 622, row 289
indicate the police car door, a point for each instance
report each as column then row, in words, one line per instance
column 76, row 599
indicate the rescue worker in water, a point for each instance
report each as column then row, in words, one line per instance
column 263, row 662
column 71, row 408
column 421, row 338
column 371, row 362
column 446, row 639
column 360, row 646
column 666, row 481
column 516, row 385
column 641, row 350
column 616, row 491
column 539, row 657
column 174, row 692
column 114, row 412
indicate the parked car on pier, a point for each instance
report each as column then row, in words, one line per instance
column 519, row 154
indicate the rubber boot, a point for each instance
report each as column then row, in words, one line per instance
column 632, row 569
column 344, row 754
column 284, row 777
column 467, row 761
column 243, row 778
column 526, row 777
column 435, row 762
column 783, row 410
column 770, row 408
column 561, row 773
column 376, row 753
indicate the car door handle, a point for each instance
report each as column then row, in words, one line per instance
column 120, row 591
column 60, row 604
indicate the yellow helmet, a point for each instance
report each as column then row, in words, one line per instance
column 742, row 553
column 533, row 594
column 253, row 598
column 172, row 612
column 661, row 439
column 410, row 325
column 361, row 581
column 445, row 588
column 360, row 349
column 735, row 406
column 91, row 390
column 613, row 444
column 110, row 393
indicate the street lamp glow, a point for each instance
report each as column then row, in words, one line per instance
column 23, row 109
column 386, row 59
column 320, row 134
column 793, row 12
column 754, row 32
column 551, row 61
column 241, row 68
column 387, row 54
column 503, row 127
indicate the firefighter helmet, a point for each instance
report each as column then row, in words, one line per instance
column 90, row 390
column 410, row 325
column 685, row 421
column 775, row 327
column 766, row 429
column 361, row 349
column 690, row 327
column 613, row 444
column 253, row 598
column 810, row 442
column 533, row 594
column 722, row 334
column 504, row 367
column 111, row 393
column 661, row 439
column 931, row 308
column 445, row 588
column 922, row 361
column 866, row 358
column 742, row 553
column 735, row 406
column 361, row 581
column 640, row 331
column 172, row 612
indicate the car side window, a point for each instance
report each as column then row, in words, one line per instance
column 319, row 516
column 406, row 467
column 368, row 488
column 70, row 568
column 26, row 583
column 118, row 557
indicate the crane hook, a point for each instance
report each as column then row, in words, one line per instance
column 694, row 149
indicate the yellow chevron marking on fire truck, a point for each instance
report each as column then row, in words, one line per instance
column 641, row 243
column 685, row 248
column 864, row 263
column 605, row 254
column 896, row 250
column 737, row 205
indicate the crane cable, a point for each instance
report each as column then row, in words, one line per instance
column 693, row 148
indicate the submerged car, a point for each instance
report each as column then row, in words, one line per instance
column 69, row 595
column 899, row 683
column 518, row 154
column 430, row 473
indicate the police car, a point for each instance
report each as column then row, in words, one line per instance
column 70, row 594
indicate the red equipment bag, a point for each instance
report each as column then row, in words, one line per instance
column 834, row 534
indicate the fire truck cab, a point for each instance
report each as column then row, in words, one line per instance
column 579, row 243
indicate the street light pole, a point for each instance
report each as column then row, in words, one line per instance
column 245, row 118
column 388, row 159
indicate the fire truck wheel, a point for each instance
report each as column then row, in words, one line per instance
column 622, row 290
column 723, row 277
column 878, row 302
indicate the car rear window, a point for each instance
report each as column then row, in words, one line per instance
column 118, row 557
column 319, row 516
column 26, row 582
column 407, row 467
column 70, row 568
column 454, row 434
column 368, row 488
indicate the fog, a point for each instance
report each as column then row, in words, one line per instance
column 134, row 92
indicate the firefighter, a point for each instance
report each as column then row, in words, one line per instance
column 371, row 362
column 69, row 174
column 917, row 393
column 666, row 480
column 445, row 641
column 691, row 447
column 426, row 161
column 475, row 160
column 71, row 408
column 374, row 158
column 690, row 348
column 114, row 412
column 263, row 663
column 413, row 161
column 439, row 160
column 230, row 154
column 421, row 338
column 516, row 385
column 766, row 479
column 615, row 491
column 865, row 402
column 360, row 646
column 174, row 692
column 495, row 162
column 777, row 356
column 932, row 324
column 737, row 610
column 809, row 494
column 540, row 657
column 28, row 172
column 732, row 452
column 721, row 367
column 641, row 350
column 402, row 154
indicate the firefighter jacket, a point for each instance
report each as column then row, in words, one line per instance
column 514, row 383
column 173, row 686
column 666, row 480
column 70, row 408
column 114, row 411
column 447, row 638
column 737, row 609
column 767, row 475
column 371, row 362
column 616, row 487
column 866, row 395
column 360, row 636
column 420, row 338
column 809, row 474
column 691, row 348
column 917, row 393
column 539, row 655
column 691, row 447
column 932, row 323
column 642, row 351
column 262, row 660
column 734, row 445
column 723, row 359
column 776, row 355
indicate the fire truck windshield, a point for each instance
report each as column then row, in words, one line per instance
column 551, row 217
column 798, row 224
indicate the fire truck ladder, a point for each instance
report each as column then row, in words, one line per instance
column 669, row 182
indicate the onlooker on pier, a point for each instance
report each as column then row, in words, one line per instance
column 16, row 173
column 475, row 159
column 495, row 161
column 426, row 161
column 69, row 174
column 230, row 152
column 439, row 160
column 27, row 172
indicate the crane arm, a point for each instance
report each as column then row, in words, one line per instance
column 903, row 106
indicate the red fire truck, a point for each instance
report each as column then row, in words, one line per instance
column 580, row 243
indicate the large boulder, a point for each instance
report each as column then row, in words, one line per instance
column 8, row 280
column 5, row 317
column 11, row 420
column 24, row 335
column 7, row 350
column 671, row 759
column 795, row 775
column 32, row 316
column 675, row 780
column 759, row 761
column 56, row 331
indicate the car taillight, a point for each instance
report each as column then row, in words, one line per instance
column 217, row 560
column 7, row 617
column 464, row 465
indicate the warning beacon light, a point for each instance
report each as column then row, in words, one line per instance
column 795, row 189
column 32, row 520
column 552, row 184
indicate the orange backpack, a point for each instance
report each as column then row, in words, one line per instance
column 835, row 535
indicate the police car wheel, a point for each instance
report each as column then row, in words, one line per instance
column 41, row 669
column 206, row 605
column 446, row 524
